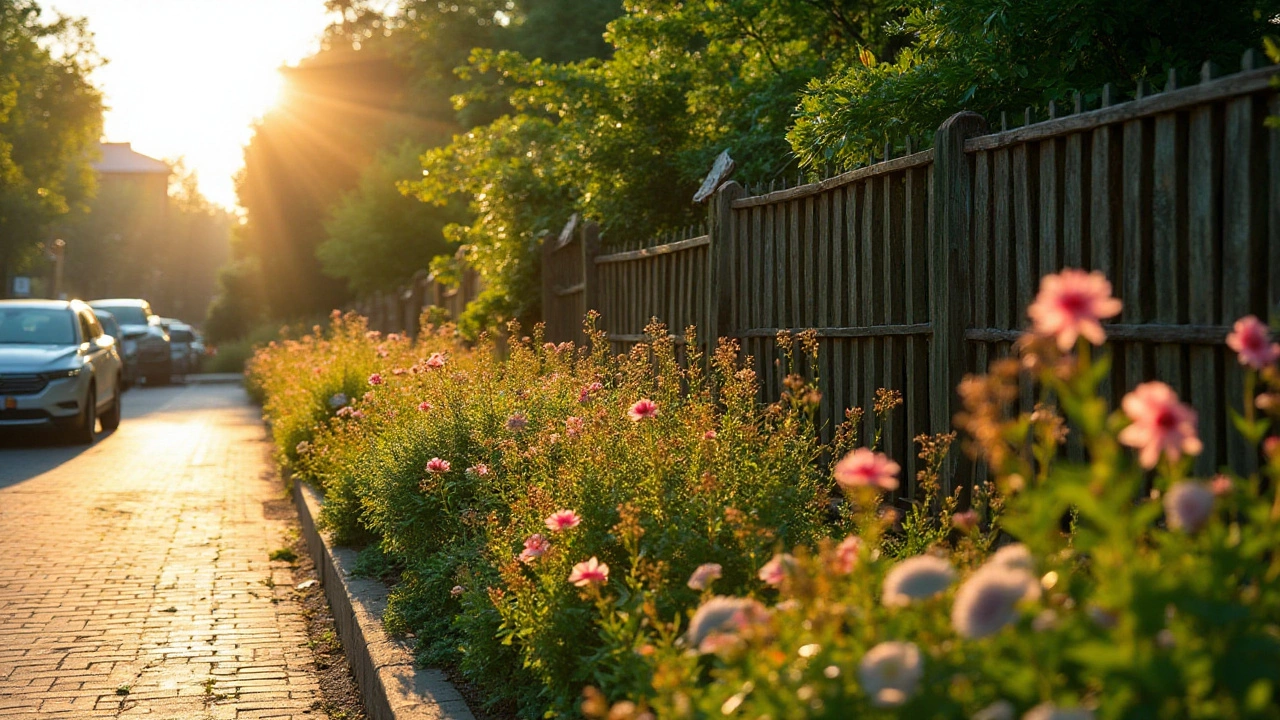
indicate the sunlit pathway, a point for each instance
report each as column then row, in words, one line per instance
column 134, row 575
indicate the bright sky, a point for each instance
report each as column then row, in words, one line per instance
column 185, row 78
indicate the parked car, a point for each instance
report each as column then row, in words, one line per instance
column 182, row 338
column 128, row 349
column 141, row 326
column 58, row 368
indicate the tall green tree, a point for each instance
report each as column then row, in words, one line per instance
column 50, row 118
column 990, row 56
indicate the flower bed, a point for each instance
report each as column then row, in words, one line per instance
column 624, row 538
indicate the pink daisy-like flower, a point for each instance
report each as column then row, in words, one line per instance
column 457, row 591
column 563, row 520
column 479, row 470
column 436, row 361
column 591, row 572
column 1070, row 306
column 1252, row 342
column 777, row 569
column 573, row 425
column 702, row 577
column 867, row 468
column 846, row 557
column 643, row 410
column 709, row 435
column 517, row 422
column 437, row 466
column 535, row 546
column 424, row 406
column 1161, row 424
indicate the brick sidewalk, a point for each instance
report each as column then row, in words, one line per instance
column 134, row 576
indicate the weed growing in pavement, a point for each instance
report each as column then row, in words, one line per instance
column 284, row 554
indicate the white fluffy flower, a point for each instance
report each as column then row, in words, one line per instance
column 916, row 578
column 998, row 710
column 989, row 599
column 719, row 616
column 1188, row 506
column 1015, row 556
column 890, row 672
column 1049, row 711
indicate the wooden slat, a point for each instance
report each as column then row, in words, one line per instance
column 869, row 299
column 838, row 380
column 793, row 279
column 1074, row 208
column 915, row 390
column 1168, row 218
column 981, row 254
column 1204, row 240
column 894, row 305
column 1047, row 200
column 1242, row 259
column 1136, row 241
column 1004, row 290
column 824, row 301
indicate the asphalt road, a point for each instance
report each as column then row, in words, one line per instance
column 134, row 573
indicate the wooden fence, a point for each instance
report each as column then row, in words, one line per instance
column 917, row 269
column 400, row 310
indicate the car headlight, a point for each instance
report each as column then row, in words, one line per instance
column 59, row 374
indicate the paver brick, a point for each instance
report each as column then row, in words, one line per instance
column 142, row 561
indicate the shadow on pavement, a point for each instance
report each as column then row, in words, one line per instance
column 26, row 453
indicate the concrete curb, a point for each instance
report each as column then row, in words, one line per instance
column 213, row 378
column 393, row 689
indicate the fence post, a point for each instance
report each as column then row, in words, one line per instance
column 590, row 243
column 952, row 206
column 720, row 264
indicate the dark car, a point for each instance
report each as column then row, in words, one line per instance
column 128, row 350
column 141, row 326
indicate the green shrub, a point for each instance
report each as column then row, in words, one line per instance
column 563, row 519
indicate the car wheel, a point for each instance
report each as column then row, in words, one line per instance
column 86, row 431
column 111, row 418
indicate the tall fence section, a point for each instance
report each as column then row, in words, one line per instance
column 917, row 269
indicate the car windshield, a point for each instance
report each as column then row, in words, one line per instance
column 126, row 314
column 36, row 326
column 181, row 335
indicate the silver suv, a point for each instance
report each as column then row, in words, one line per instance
column 57, row 368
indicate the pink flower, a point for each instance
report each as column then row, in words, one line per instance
column 867, row 468
column 1069, row 306
column 709, row 435
column 437, row 466
column 643, row 410
column 456, row 591
column 424, row 406
column 846, row 558
column 702, row 577
column 1221, row 485
column 965, row 520
column 1251, row 340
column 1161, row 424
column 479, row 470
column 591, row 572
column 436, row 361
column 573, row 425
column 535, row 546
column 777, row 569
column 563, row 520
column 585, row 394
column 517, row 422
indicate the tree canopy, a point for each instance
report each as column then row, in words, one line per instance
column 50, row 120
